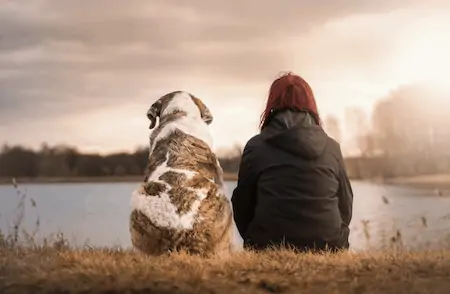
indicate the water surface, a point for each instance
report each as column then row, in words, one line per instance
column 97, row 213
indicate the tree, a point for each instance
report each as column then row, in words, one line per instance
column 18, row 161
column 358, row 126
column 65, row 161
column 402, row 121
column 332, row 127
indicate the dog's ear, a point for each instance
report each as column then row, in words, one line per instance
column 154, row 112
column 204, row 110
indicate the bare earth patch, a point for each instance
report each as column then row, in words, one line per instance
column 47, row 270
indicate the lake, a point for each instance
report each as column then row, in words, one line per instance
column 97, row 213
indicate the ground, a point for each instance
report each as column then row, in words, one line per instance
column 49, row 270
column 435, row 181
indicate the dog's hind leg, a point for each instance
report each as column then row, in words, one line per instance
column 223, row 243
column 144, row 236
column 224, row 246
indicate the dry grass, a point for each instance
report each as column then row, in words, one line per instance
column 48, row 270
column 54, row 267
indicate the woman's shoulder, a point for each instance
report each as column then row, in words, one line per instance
column 334, row 148
column 254, row 142
column 333, row 144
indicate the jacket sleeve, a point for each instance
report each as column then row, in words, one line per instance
column 345, row 193
column 244, row 195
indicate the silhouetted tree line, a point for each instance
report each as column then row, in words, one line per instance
column 66, row 161
column 407, row 133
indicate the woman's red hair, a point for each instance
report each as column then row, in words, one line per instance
column 290, row 92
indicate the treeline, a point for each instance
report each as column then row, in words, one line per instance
column 407, row 133
column 66, row 161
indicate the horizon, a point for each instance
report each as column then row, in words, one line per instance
column 83, row 74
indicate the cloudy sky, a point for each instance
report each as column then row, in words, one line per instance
column 85, row 72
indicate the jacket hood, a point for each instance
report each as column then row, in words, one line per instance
column 295, row 132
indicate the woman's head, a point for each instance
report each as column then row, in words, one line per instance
column 290, row 92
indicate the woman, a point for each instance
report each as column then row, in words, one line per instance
column 292, row 184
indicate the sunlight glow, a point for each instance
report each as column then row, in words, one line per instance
column 425, row 60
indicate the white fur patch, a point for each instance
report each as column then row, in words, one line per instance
column 194, row 127
column 162, row 213
column 182, row 102
column 160, row 209
column 163, row 168
column 192, row 124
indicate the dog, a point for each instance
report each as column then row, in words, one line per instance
column 182, row 203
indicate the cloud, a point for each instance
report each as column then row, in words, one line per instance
column 60, row 58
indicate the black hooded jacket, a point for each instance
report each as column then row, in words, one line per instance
column 292, row 187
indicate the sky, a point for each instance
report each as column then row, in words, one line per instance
column 85, row 72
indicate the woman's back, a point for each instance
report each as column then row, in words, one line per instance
column 292, row 186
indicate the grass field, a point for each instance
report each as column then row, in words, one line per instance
column 58, row 270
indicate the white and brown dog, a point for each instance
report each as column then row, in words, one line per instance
column 182, row 203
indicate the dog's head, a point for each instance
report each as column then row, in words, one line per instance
column 179, row 101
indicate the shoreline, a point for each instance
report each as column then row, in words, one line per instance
column 435, row 181
column 101, row 179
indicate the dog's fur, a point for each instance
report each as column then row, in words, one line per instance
column 182, row 203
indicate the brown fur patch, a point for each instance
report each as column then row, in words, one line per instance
column 185, row 152
column 153, row 162
column 190, row 153
column 182, row 198
column 165, row 120
column 173, row 178
column 179, row 193
column 204, row 110
column 154, row 188
column 198, row 182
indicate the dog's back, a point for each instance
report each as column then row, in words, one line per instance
column 180, row 205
